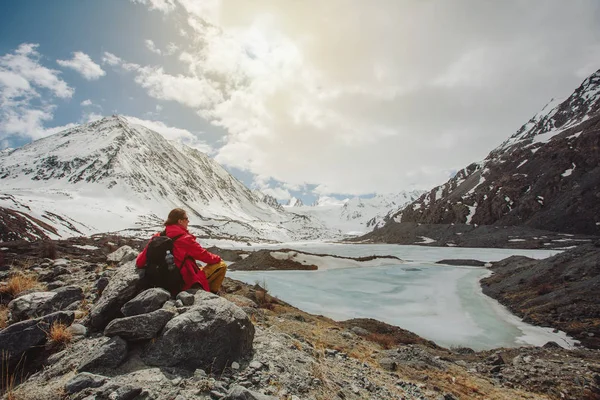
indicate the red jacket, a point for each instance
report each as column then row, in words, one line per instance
column 185, row 246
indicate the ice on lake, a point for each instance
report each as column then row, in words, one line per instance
column 438, row 302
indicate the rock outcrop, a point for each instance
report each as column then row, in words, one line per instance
column 561, row 292
column 126, row 283
column 21, row 338
column 209, row 335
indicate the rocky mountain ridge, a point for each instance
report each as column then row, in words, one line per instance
column 545, row 176
column 561, row 291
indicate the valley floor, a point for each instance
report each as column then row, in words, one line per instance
column 302, row 356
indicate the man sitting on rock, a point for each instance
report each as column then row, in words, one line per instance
column 186, row 251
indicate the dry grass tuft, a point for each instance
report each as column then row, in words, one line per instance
column 253, row 319
column 263, row 298
column 385, row 341
column 9, row 377
column 19, row 283
column 3, row 316
column 297, row 345
column 59, row 334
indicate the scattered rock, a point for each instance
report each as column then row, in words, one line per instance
column 388, row 364
column 84, row 380
column 122, row 254
column 30, row 305
column 145, row 302
column 65, row 296
column 139, row 327
column 187, row 299
column 109, row 354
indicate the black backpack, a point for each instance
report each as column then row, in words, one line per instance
column 160, row 270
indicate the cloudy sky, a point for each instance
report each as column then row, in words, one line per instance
column 299, row 98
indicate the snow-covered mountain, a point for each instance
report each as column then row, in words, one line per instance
column 356, row 215
column 111, row 175
column 294, row 202
column 545, row 176
column 268, row 200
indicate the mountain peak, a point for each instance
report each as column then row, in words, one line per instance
column 294, row 202
column 559, row 115
column 544, row 176
column 112, row 157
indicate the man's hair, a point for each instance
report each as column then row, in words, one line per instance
column 174, row 216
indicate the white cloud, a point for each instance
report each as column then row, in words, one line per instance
column 165, row 6
column 152, row 47
column 171, row 48
column 22, row 71
column 190, row 91
column 83, row 64
column 27, row 89
column 393, row 105
column 172, row 133
column 110, row 59
column 86, row 103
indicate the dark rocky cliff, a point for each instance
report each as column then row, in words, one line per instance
column 562, row 291
column 546, row 176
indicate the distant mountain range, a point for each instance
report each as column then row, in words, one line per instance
column 354, row 216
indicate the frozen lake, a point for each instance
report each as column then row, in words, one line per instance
column 441, row 303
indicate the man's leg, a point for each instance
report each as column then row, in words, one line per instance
column 215, row 273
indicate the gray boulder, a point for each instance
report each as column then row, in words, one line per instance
column 238, row 392
column 145, row 302
column 66, row 296
column 187, row 299
column 123, row 286
column 31, row 305
column 78, row 330
column 57, row 271
column 36, row 304
column 101, row 283
column 359, row 331
column 84, row 380
column 20, row 337
column 122, row 255
column 210, row 335
column 139, row 327
column 109, row 354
